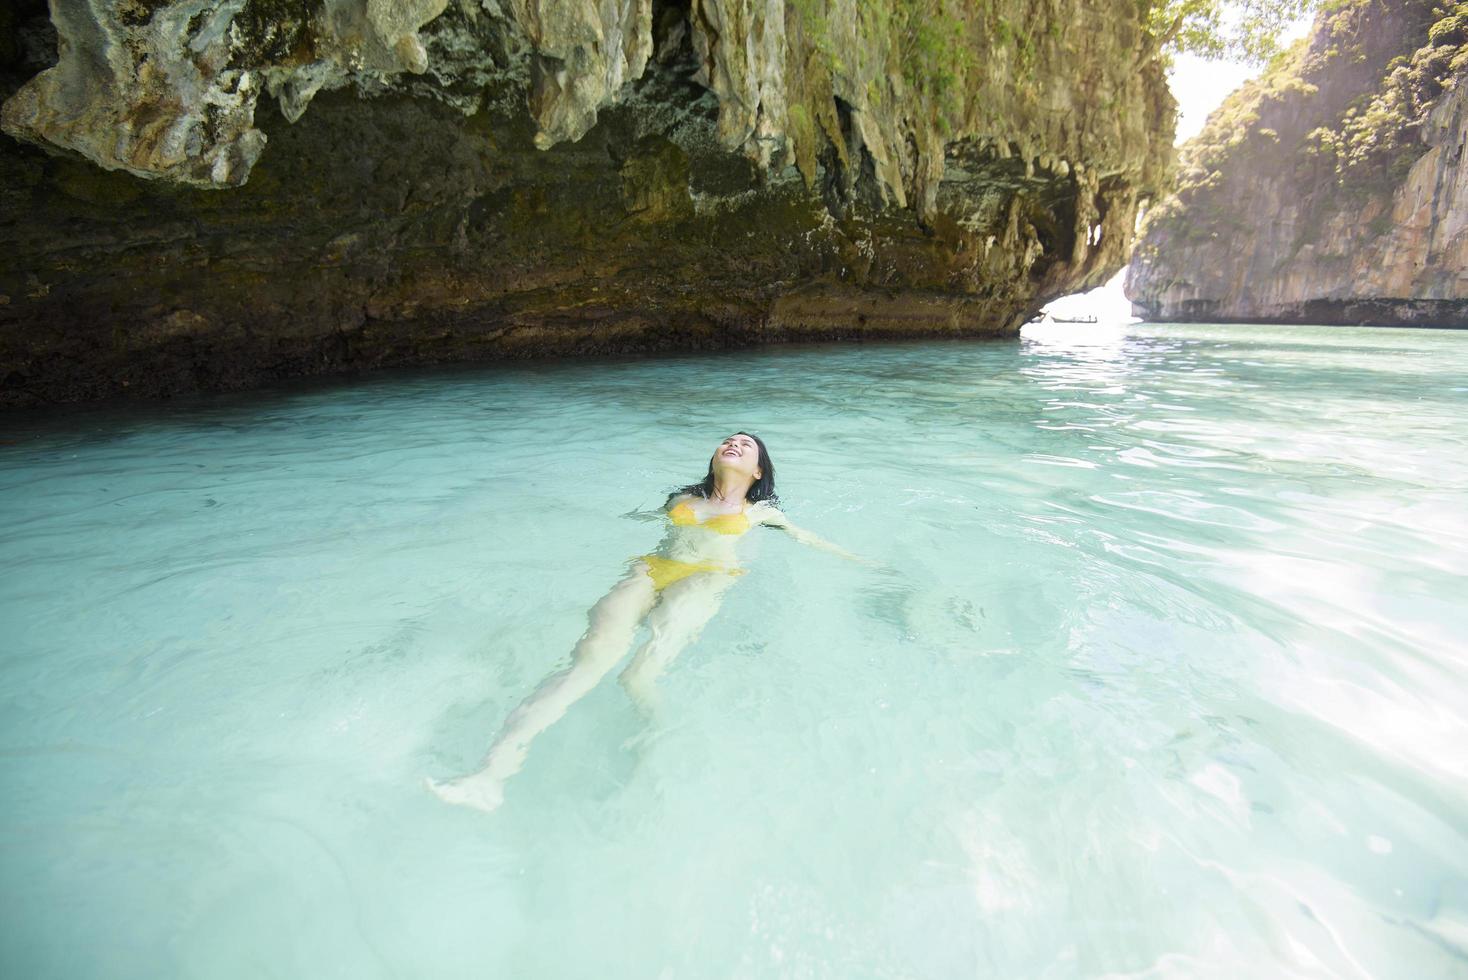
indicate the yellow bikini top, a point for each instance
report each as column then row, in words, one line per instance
column 684, row 516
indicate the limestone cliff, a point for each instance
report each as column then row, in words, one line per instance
column 1332, row 190
column 215, row 193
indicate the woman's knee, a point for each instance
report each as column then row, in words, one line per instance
column 612, row 626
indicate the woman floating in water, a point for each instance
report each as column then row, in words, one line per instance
column 677, row 589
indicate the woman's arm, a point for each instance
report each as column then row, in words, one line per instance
column 660, row 514
column 774, row 517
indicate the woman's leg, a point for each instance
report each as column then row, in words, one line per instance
column 682, row 610
column 612, row 622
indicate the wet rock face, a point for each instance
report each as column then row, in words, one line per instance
column 216, row 193
column 168, row 89
column 1313, row 209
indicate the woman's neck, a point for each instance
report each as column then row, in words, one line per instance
column 731, row 491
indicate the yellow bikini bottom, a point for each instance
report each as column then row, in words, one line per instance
column 665, row 571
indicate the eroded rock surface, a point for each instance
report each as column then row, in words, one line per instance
column 1333, row 191
column 214, row 193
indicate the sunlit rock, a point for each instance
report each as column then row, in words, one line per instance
column 1333, row 190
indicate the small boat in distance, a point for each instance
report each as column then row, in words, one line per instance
column 1043, row 317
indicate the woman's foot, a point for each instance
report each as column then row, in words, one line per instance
column 480, row 791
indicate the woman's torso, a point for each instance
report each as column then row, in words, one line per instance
column 697, row 532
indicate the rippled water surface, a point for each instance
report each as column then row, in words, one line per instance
column 1164, row 676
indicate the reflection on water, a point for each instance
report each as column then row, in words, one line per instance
column 1164, row 675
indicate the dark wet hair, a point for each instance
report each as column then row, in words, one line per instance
column 761, row 489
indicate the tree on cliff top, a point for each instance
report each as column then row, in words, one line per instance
column 1247, row 30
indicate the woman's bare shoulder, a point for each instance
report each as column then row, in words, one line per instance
column 766, row 512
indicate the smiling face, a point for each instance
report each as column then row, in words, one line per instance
column 738, row 454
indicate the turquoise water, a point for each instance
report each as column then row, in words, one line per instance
column 1164, row 677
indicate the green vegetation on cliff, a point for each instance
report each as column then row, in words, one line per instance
column 1378, row 137
column 1339, row 113
column 1330, row 190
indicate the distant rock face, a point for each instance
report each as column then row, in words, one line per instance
column 217, row 193
column 1333, row 191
